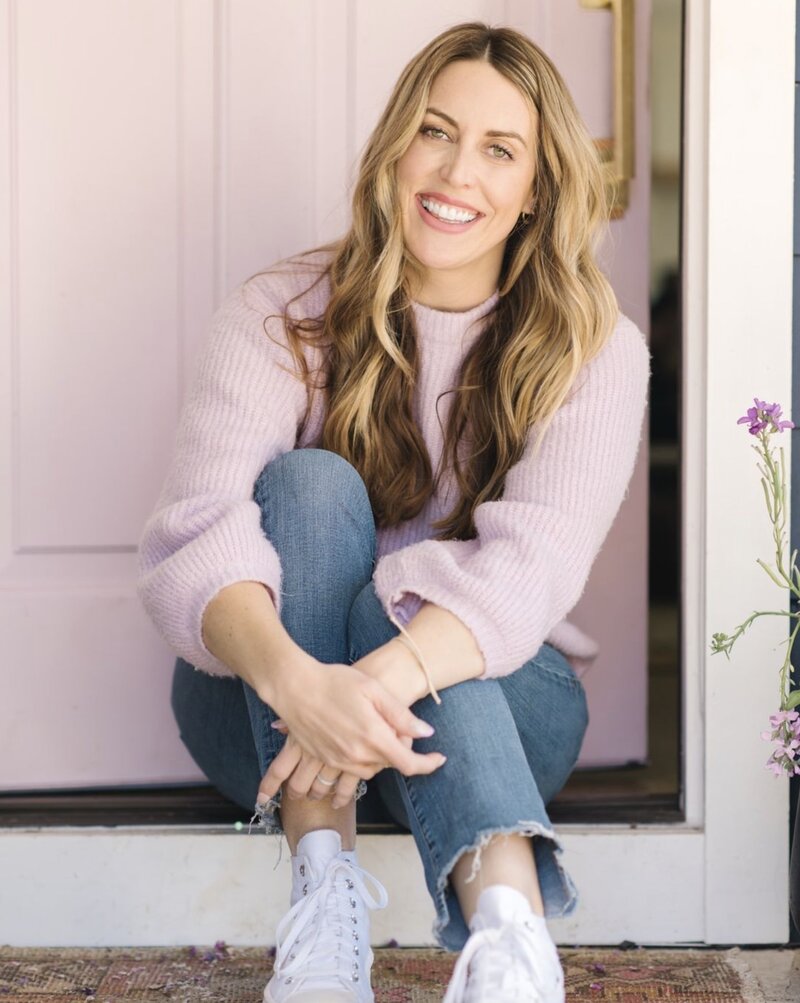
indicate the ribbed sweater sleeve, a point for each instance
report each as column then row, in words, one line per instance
column 243, row 409
column 534, row 549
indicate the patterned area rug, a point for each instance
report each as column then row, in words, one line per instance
column 237, row 975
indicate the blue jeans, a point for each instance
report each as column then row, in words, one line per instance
column 511, row 743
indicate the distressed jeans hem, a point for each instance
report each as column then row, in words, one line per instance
column 267, row 816
column 559, row 894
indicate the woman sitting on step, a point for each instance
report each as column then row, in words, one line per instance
column 399, row 459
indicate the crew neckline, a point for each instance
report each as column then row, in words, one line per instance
column 448, row 325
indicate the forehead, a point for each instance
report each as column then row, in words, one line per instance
column 474, row 93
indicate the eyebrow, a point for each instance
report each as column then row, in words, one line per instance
column 499, row 133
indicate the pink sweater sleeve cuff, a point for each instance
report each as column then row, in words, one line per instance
column 175, row 587
column 407, row 578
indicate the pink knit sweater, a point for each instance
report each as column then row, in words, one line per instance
column 512, row 586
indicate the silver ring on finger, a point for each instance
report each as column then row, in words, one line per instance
column 327, row 783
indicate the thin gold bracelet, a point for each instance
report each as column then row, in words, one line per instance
column 411, row 644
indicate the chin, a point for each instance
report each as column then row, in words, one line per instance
column 433, row 264
column 438, row 259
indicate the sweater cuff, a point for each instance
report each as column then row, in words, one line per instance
column 404, row 606
column 578, row 648
column 183, row 630
column 404, row 601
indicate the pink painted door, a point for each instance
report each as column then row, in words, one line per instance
column 132, row 199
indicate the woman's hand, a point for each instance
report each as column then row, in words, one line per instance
column 339, row 717
column 397, row 670
column 343, row 786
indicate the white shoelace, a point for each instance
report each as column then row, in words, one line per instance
column 506, row 966
column 325, row 925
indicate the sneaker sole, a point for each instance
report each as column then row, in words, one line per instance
column 316, row 996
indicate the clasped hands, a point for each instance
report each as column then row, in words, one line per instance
column 343, row 720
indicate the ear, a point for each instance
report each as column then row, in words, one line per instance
column 530, row 203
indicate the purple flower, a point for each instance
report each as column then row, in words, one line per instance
column 785, row 733
column 783, row 716
column 755, row 422
column 764, row 416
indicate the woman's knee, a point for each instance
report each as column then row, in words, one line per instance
column 314, row 478
column 315, row 508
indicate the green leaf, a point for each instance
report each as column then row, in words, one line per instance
column 772, row 574
column 793, row 701
column 768, row 500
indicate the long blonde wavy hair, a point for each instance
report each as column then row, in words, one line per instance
column 555, row 309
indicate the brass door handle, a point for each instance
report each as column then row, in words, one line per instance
column 618, row 153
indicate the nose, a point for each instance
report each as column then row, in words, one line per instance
column 458, row 168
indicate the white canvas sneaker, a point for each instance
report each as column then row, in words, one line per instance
column 323, row 953
column 510, row 956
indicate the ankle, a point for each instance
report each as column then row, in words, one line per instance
column 498, row 902
column 300, row 816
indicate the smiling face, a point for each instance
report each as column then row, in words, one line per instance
column 464, row 180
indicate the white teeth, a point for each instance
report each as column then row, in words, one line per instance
column 448, row 213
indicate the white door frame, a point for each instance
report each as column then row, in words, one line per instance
column 720, row 877
column 738, row 317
